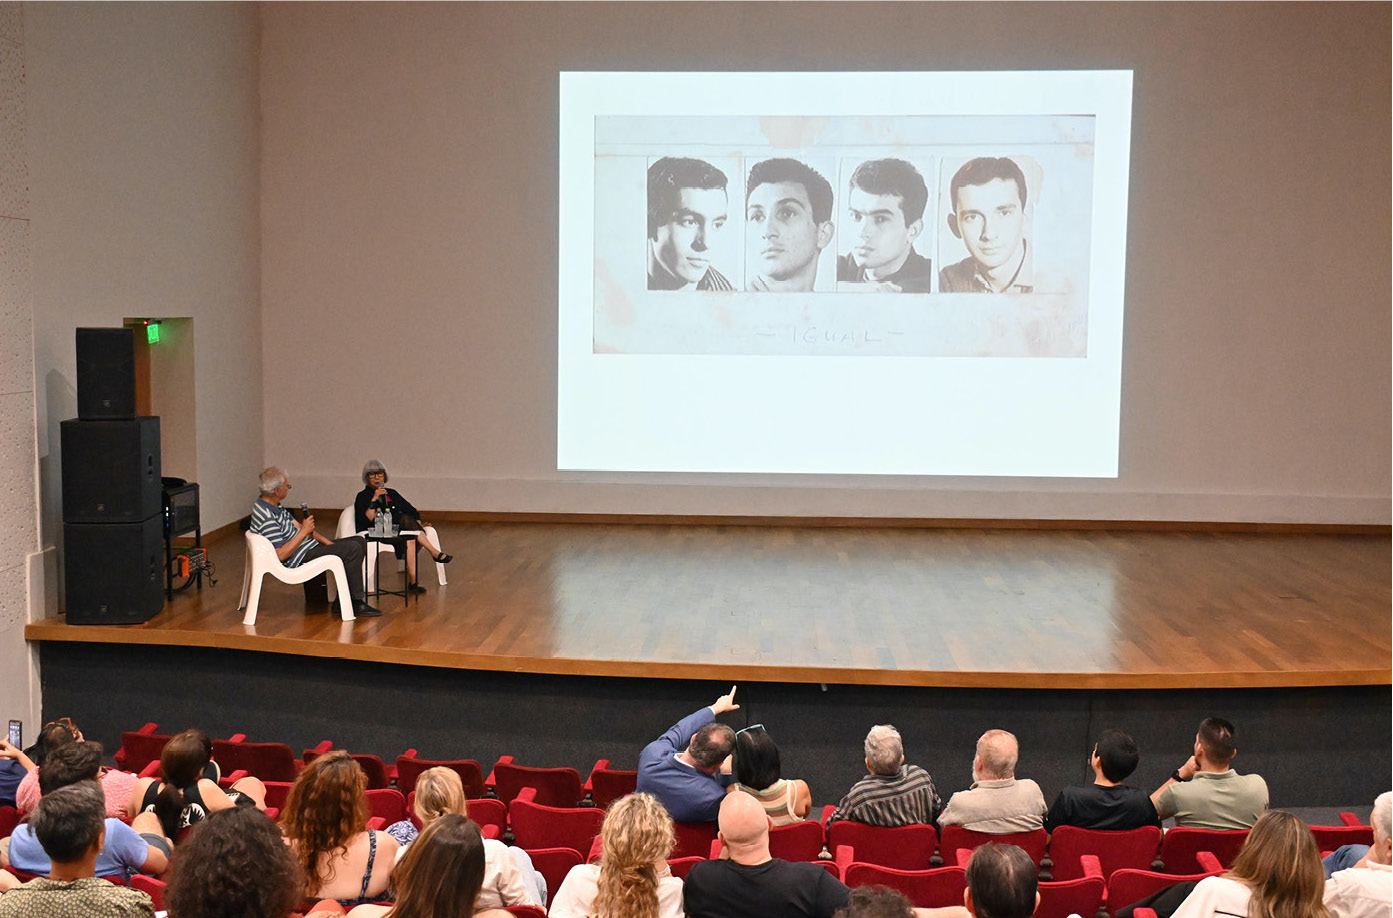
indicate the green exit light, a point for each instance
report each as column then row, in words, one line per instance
column 152, row 333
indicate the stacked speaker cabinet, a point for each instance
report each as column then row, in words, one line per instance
column 113, row 524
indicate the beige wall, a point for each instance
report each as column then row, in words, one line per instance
column 409, row 196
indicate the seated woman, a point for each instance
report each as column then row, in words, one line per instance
column 189, row 791
column 440, row 876
column 377, row 496
column 757, row 772
column 632, row 878
column 325, row 819
column 116, row 785
column 234, row 863
column 509, row 877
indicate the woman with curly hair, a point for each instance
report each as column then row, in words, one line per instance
column 632, row 879
column 234, row 865
column 440, row 876
column 189, row 791
column 325, row 818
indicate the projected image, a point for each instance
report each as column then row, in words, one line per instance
column 688, row 209
column 882, row 219
column 788, row 224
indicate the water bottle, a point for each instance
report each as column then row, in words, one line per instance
column 377, row 521
column 391, row 530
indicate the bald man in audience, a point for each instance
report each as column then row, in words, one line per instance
column 1366, row 889
column 1001, row 883
column 1205, row 792
column 997, row 803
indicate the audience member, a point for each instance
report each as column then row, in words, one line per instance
column 1001, row 883
column 688, row 768
column 758, row 773
column 325, row 818
column 56, row 734
column 71, row 827
column 140, row 847
column 509, row 877
column 752, row 883
column 234, row 864
column 1365, row 889
column 440, row 876
column 14, row 767
column 997, row 802
column 632, row 878
column 884, row 902
column 1107, row 803
column 1205, row 793
column 190, row 791
column 893, row 794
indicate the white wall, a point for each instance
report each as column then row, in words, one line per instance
column 409, row 198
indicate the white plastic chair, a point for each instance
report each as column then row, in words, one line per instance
column 262, row 560
column 377, row 549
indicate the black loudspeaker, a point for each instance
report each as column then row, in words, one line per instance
column 111, row 470
column 105, row 373
column 114, row 572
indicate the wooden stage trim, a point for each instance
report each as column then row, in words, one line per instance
column 970, row 608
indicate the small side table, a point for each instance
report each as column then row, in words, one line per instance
column 390, row 542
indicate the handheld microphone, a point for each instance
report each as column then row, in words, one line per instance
column 304, row 510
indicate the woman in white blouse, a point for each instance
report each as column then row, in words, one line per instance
column 632, row 879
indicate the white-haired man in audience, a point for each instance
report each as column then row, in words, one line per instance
column 997, row 803
column 1205, row 792
column 1365, row 890
column 893, row 794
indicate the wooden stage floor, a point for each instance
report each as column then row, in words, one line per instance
column 857, row 605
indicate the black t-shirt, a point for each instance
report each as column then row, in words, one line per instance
column 774, row 889
column 1096, row 807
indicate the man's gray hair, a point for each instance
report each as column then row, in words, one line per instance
column 884, row 749
column 67, row 820
column 271, row 479
column 998, row 751
column 1382, row 817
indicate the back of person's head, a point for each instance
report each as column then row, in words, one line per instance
column 234, row 864
column 70, row 764
column 1280, row 865
column 1216, row 737
column 876, row 902
column 54, row 734
column 743, row 823
column 439, row 791
column 998, row 750
column 636, row 837
column 1002, row 881
column 894, row 176
column 327, row 806
column 181, row 766
column 442, row 871
column 756, row 763
column 1382, row 816
column 67, row 821
column 884, row 749
column 710, row 746
column 1117, row 755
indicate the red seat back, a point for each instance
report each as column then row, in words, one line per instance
column 693, row 838
column 140, row 749
column 276, row 792
column 553, row 864
column 151, row 887
column 372, row 766
column 681, row 866
column 1134, row 848
column 799, row 841
column 1179, row 846
column 525, row 911
column 9, row 818
column 609, row 784
column 1328, row 838
column 267, row 761
column 1126, row 886
column 487, row 811
column 901, row 847
column 387, row 803
column 938, row 887
column 955, row 837
column 1070, row 897
column 555, row 786
column 538, row 826
column 471, row 775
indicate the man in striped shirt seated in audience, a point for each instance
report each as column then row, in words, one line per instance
column 298, row 542
column 893, row 794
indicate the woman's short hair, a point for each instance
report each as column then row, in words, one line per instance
column 234, row 864
column 67, row 821
column 372, row 465
column 439, row 792
column 327, row 806
column 756, row 758
column 442, row 871
column 635, row 838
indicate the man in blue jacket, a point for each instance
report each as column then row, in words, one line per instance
column 688, row 767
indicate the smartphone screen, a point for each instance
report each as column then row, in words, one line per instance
column 17, row 734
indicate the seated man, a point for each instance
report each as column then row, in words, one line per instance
column 1366, row 888
column 893, row 794
column 140, row 847
column 688, row 767
column 1205, row 793
column 69, row 825
column 1001, row 883
column 996, row 803
column 753, row 883
column 298, row 542
column 1107, row 803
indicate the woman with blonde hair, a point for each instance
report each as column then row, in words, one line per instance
column 632, row 879
column 1277, row 875
column 509, row 877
